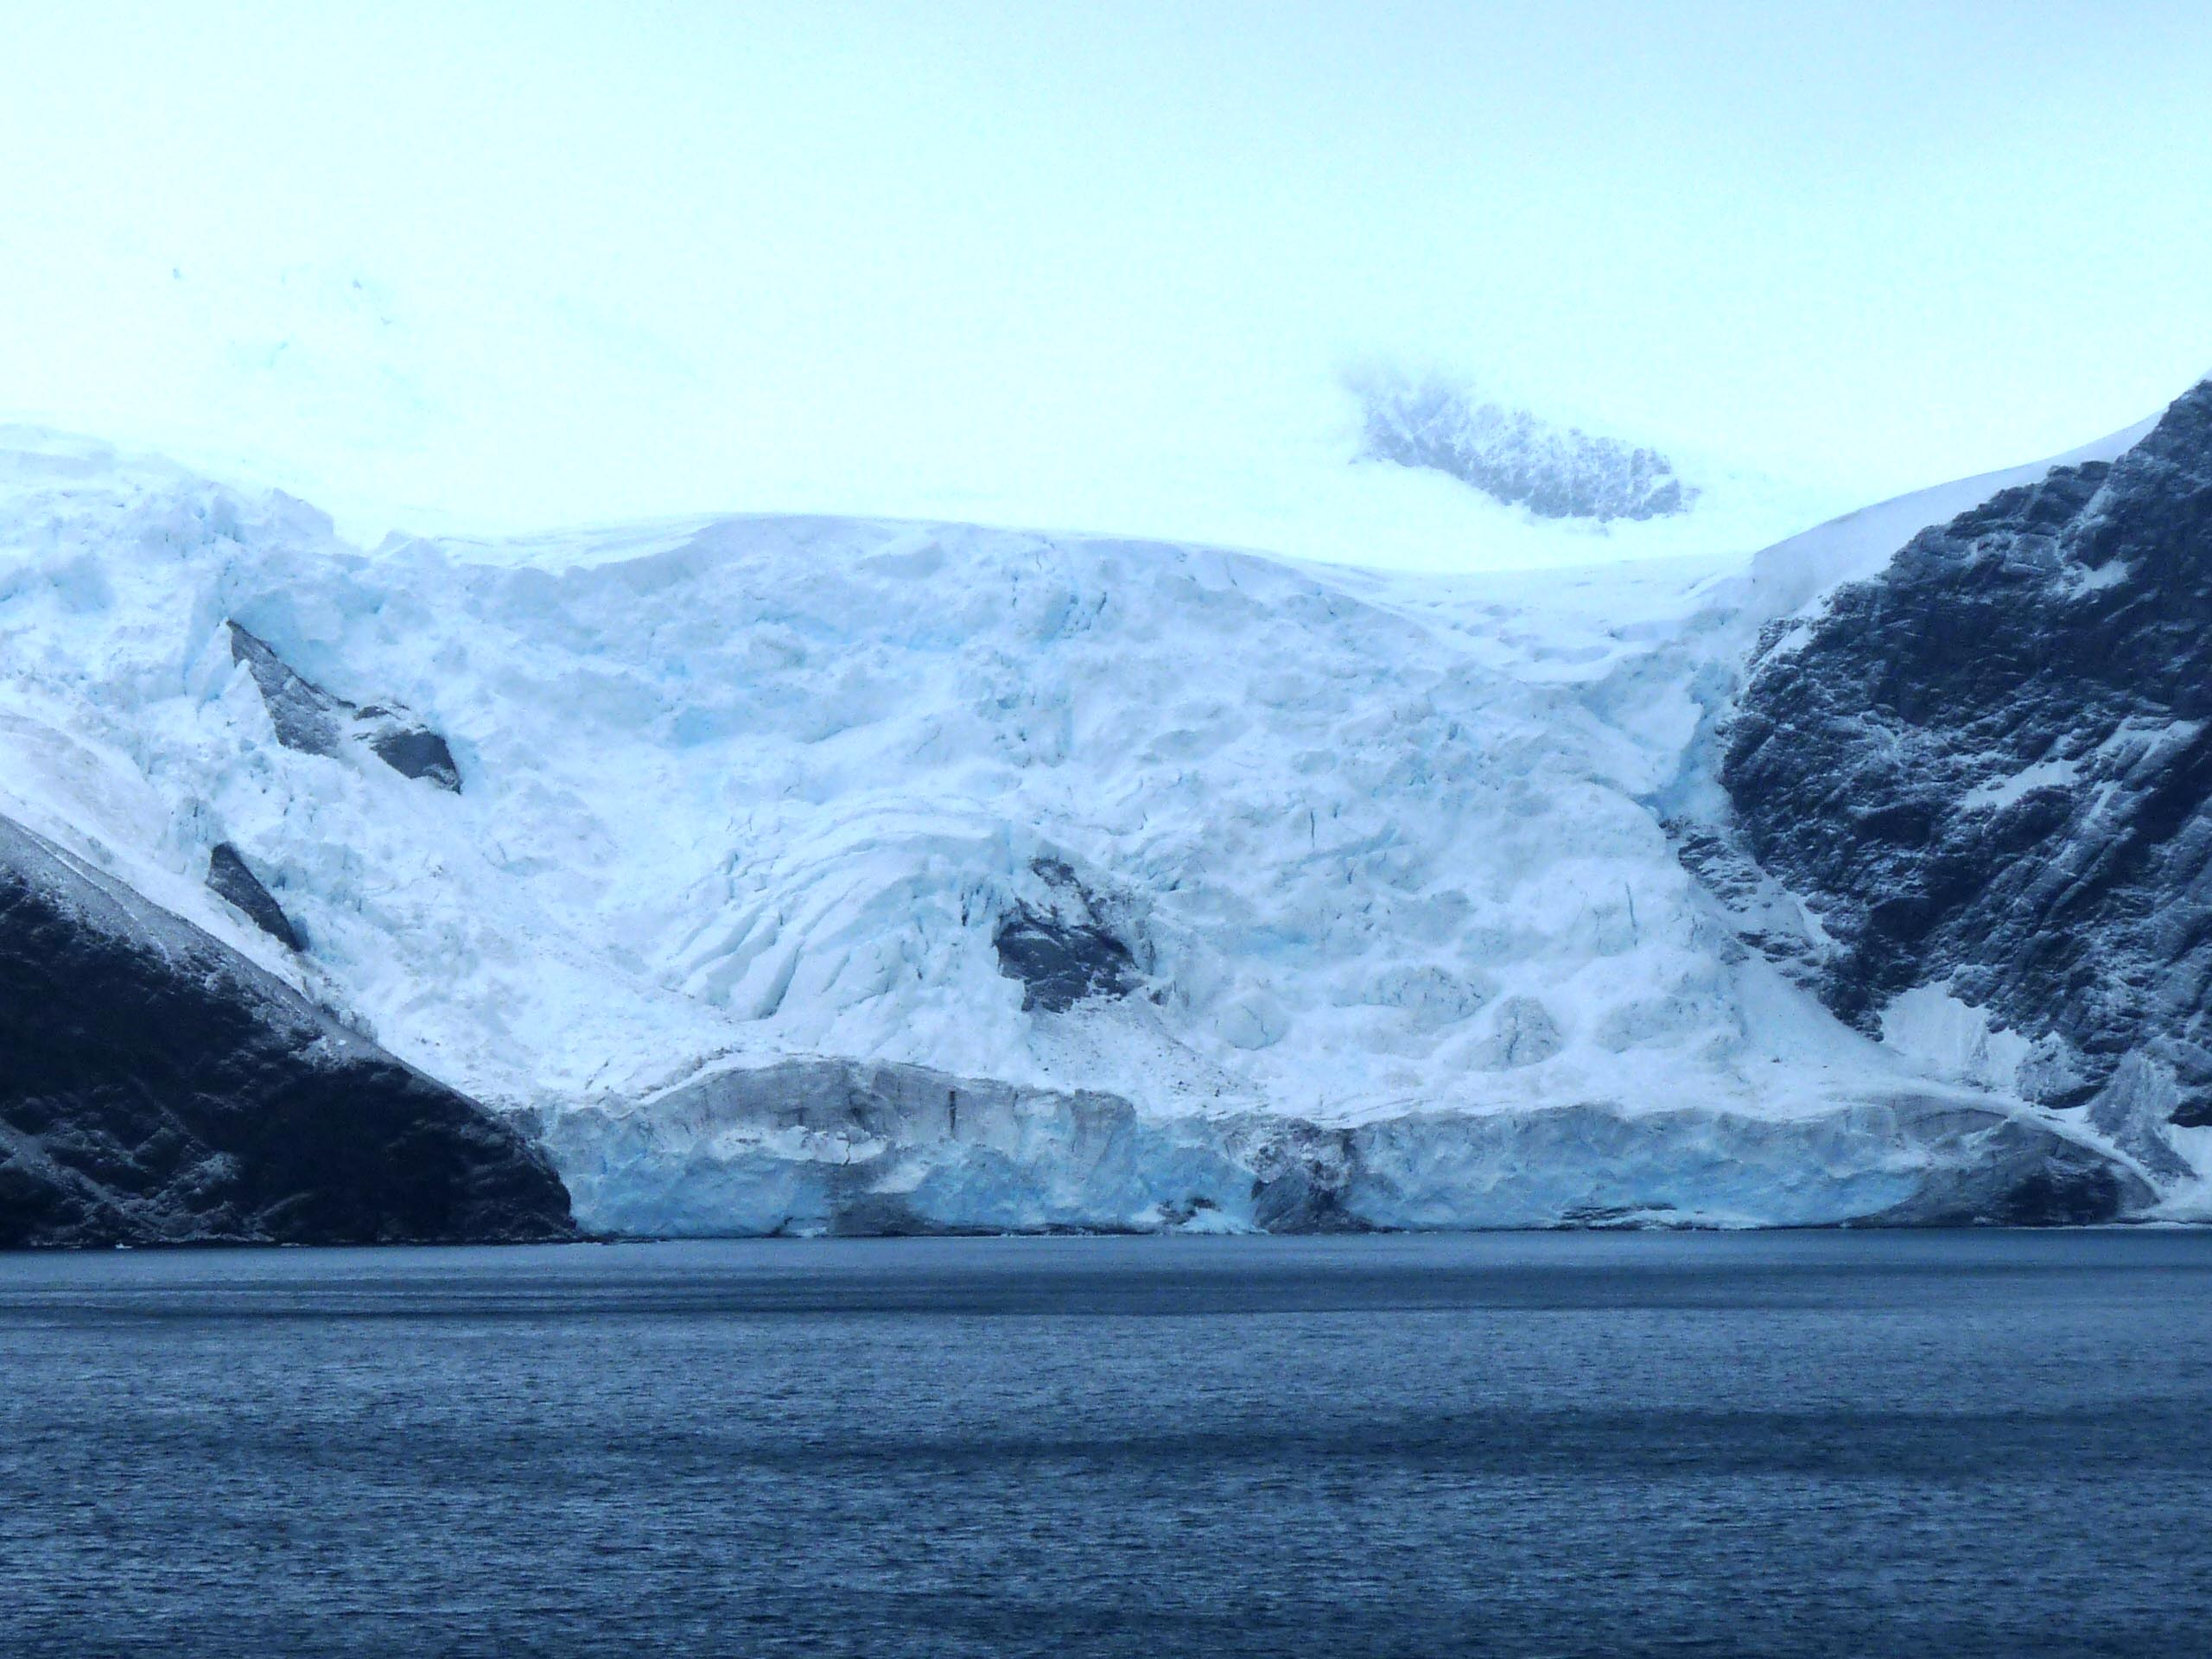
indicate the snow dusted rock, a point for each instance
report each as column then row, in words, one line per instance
column 1988, row 770
column 155, row 1087
column 1515, row 457
column 1060, row 947
column 311, row 720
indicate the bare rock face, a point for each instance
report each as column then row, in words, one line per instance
column 230, row 880
column 412, row 751
column 157, row 1088
column 317, row 722
column 1061, row 949
column 1989, row 769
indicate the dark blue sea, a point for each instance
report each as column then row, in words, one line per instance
column 1776, row 1445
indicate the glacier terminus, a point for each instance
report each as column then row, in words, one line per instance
column 777, row 874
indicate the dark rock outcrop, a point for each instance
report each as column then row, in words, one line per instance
column 307, row 717
column 315, row 722
column 156, row 1087
column 416, row 752
column 1060, row 949
column 230, row 880
column 2022, row 1176
column 1990, row 768
column 1302, row 1176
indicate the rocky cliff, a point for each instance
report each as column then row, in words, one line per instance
column 157, row 1088
column 1987, row 772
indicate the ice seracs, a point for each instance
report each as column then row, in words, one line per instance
column 839, row 874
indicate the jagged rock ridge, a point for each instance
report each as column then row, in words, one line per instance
column 1989, row 771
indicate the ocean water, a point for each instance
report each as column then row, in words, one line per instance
column 1774, row 1445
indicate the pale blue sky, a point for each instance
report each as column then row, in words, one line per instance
column 1096, row 266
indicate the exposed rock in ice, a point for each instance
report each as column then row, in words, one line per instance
column 304, row 716
column 412, row 751
column 1059, row 950
column 229, row 879
column 315, row 722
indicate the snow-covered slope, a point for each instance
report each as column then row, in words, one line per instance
column 1205, row 876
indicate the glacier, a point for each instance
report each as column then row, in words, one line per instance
column 802, row 875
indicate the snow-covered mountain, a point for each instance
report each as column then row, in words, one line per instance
column 803, row 874
column 1990, row 767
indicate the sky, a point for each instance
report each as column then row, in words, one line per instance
column 1102, row 266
